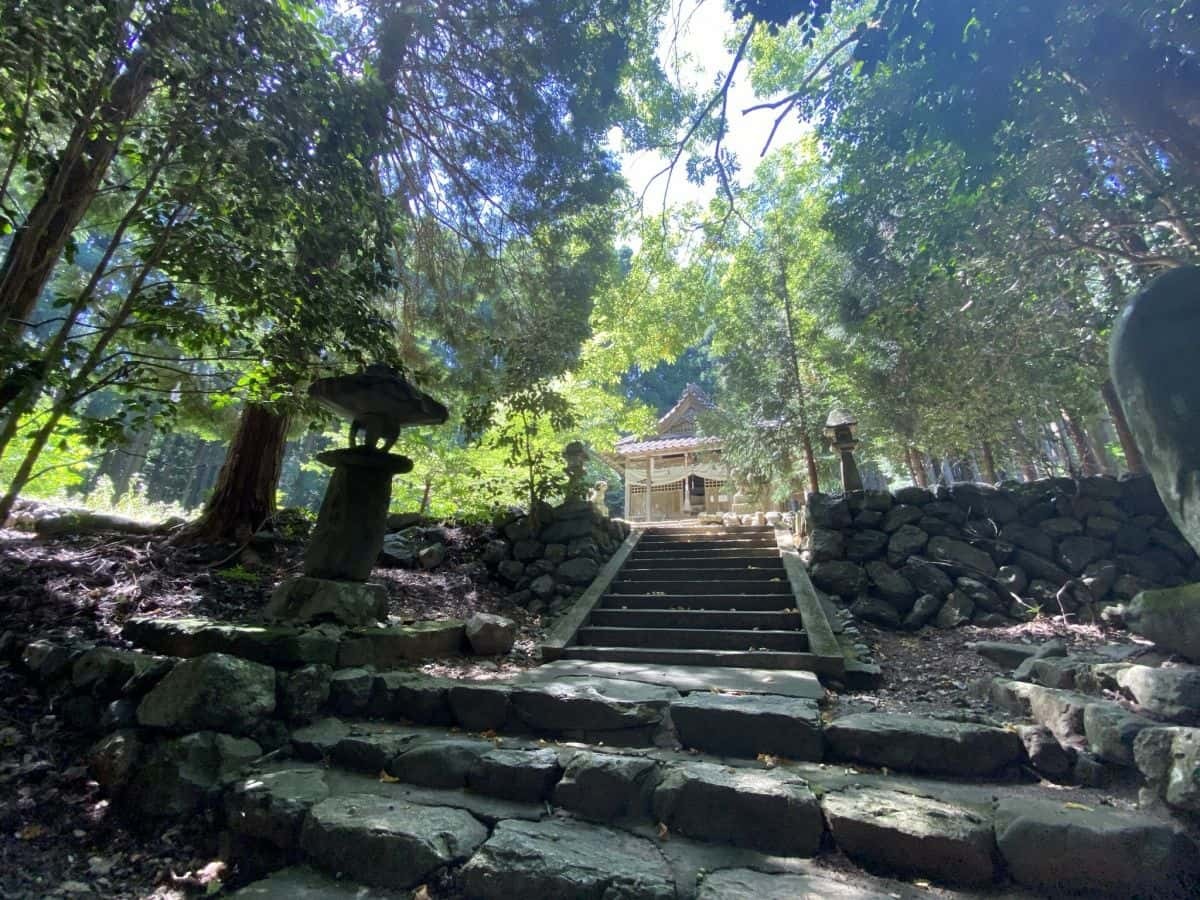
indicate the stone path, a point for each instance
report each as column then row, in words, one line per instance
column 699, row 596
column 614, row 779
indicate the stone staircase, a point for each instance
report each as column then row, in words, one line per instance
column 699, row 596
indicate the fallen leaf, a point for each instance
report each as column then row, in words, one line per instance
column 31, row 832
column 768, row 760
column 386, row 778
column 422, row 893
column 664, row 834
column 1079, row 806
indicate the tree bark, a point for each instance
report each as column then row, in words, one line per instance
column 916, row 466
column 244, row 496
column 1088, row 463
column 810, row 462
column 1133, row 456
column 989, row 462
column 42, row 237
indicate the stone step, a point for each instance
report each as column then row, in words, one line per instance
column 695, row 618
column 671, row 570
column 693, row 530
column 705, row 562
column 706, row 543
column 693, row 638
column 689, row 587
column 717, row 602
column 754, row 659
column 649, row 553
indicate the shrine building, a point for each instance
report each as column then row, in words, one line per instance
column 677, row 473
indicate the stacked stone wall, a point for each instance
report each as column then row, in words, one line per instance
column 548, row 560
column 972, row 553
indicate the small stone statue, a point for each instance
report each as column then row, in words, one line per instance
column 596, row 497
column 378, row 401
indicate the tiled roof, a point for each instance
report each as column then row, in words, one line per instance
column 630, row 446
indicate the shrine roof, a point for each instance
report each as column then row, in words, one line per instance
column 631, row 446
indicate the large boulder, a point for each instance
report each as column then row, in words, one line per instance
column 812, row 884
column 211, row 692
column 824, row 544
column 961, row 556
column 906, row 541
column 1168, row 693
column 523, row 775
column 915, row 744
column 891, row 585
column 1151, row 361
column 591, row 704
column 579, row 571
column 1170, row 617
column 490, row 635
column 271, row 806
column 749, row 725
column 927, row 577
column 1060, row 847
column 604, row 787
column 866, row 544
column 751, row 808
column 912, row 834
column 179, row 776
column 555, row 859
column 1169, row 759
column 387, row 841
column 841, row 577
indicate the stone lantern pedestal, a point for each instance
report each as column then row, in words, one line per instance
column 345, row 543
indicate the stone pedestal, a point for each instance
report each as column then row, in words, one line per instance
column 851, row 480
column 353, row 519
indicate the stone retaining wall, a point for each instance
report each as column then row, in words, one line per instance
column 991, row 555
column 548, row 560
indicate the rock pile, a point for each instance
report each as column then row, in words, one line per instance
column 986, row 555
column 547, row 560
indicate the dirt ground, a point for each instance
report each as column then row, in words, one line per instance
column 59, row 836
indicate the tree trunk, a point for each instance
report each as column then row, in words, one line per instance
column 39, row 242
column 244, row 496
column 1133, row 456
column 1029, row 471
column 810, row 462
column 1088, row 463
column 989, row 463
column 424, row 508
column 916, row 466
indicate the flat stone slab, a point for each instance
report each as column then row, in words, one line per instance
column 687, row 678
column 1055, row 847
column 605, row 786
column 215, row 691
column 387, row 842
column 915, row 744
column 557, row 859
column 524, row 775
column 271, row 806
column 762, row 810
column 303, row 883
column 739, row 884
column 747, row 725
column 912, row 834
column 590, row 704
column 394, row 645
column 273, row 645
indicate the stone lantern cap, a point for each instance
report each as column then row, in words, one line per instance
column 841, row 427
column 379, row 401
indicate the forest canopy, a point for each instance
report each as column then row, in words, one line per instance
column 203, row 207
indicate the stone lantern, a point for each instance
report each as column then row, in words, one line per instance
column 353, row 519
column 841, row 431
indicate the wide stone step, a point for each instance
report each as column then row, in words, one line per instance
column 917, row 744
column 693, row 530
column 687, row 587
column 633, row 599
column 693, row 639
column 689, row 543
column 752, row 659
column 651, row 553
column 695, row 618
column 672, row 571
